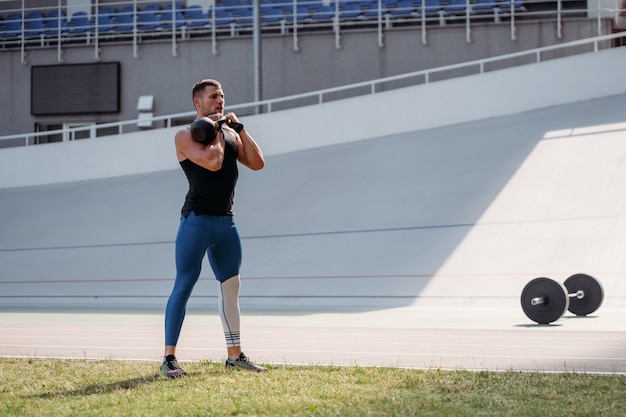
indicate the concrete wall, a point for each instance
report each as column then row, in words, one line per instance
column 318, row 64
column 410, row 109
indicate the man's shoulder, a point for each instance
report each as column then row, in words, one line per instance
column 184, row 131
column 183, row 134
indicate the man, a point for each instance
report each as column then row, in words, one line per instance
column 207, row 224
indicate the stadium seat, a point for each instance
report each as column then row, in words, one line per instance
column 349, row 10
column 431, row 6
column 52, row 23
column 12, row 27
column 223, row 16
column 322, row 12
column 80, row 23
column 124, row 20
column 149, row 18
column 402, row 8
column 34, row 24
column 195, row 17
column 106, row 23
column 505, row 5
column 484, row 5
column 170, row 15
column 302, row 13
column 454, row 6
column 243, row 15
column 286, row 6
column 370, row 8
column 270, row 14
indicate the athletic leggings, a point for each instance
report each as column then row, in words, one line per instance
column 218, row 237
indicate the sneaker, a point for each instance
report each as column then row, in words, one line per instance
column 171, row 369
column 242, row 362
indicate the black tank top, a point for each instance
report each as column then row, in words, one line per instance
column 212, row 192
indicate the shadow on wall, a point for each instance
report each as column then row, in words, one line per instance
column 359, row 225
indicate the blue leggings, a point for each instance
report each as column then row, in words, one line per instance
column 218, row 237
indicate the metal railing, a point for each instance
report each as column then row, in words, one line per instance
column 141, row 20
column 479, row 66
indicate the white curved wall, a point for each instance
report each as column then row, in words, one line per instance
column 442, row 103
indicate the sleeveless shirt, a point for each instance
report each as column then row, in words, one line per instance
column 212, row 192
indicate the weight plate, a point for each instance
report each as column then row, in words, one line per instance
column 555, row 299
column 594, row 294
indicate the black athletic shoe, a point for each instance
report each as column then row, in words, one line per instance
column 171, row 369
column 242, row 362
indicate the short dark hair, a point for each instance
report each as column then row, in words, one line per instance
column 202, row 84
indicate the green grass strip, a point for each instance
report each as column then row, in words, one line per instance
column 40, row 387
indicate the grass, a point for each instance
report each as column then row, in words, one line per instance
column 38, row 387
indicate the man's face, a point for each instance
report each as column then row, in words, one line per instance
column 210, row 100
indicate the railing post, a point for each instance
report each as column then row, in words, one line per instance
column 380, row 24
column 135, row 46
column 59, row 17
column 558, row 20
column 468, row 30
column 513, row 35
column 423, row 15
column 22, row 35
column 213, row 30
column 174, row 47
column 296, row 46
column 336, row 26
column 97, row 32
column 599, row 19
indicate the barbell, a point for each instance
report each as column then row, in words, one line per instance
column 545, row 300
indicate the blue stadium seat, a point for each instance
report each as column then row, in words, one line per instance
column 402, row 8
column 454, row 6
column 175, row 15
column 322, row 12
column 34, row 24
column 52, row 23
column 124, row 20
column 302, row 13
column 149, row 18
column 80, row 23
column 370, row 8
column 285, row 5
column 106, row 22
column 431, row 6
column 243, row 15
column 195, row 17
column 271, row 14
column 223, row 16
column 349, row 10
column 505, row 5
column 484, row 5
column 12, row 26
